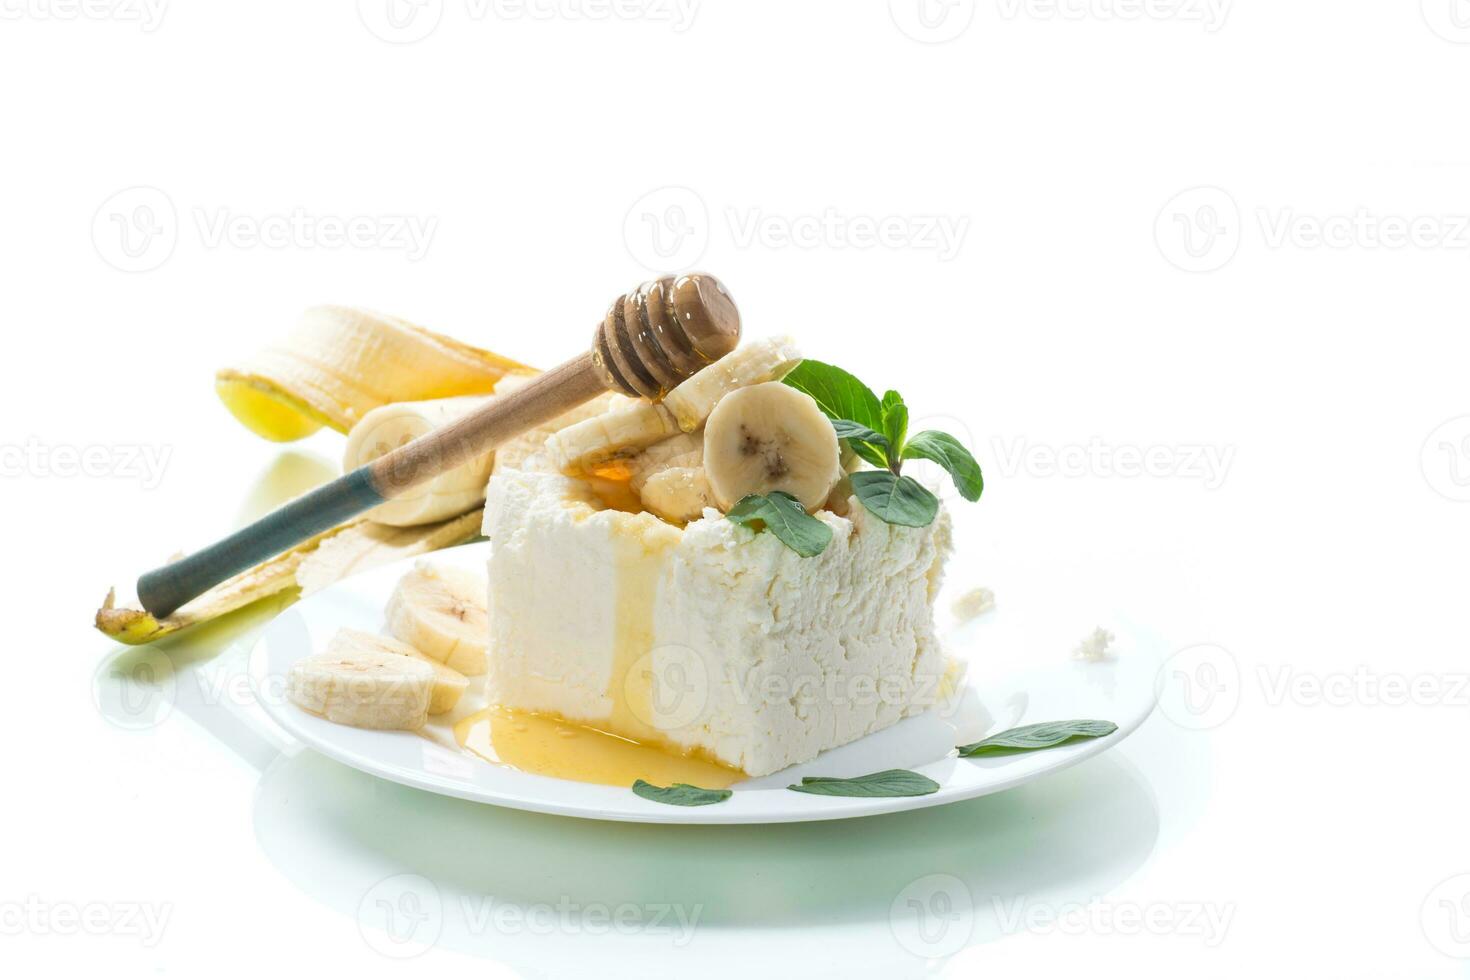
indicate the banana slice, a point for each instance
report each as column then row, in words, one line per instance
column 755, row 363
column 770, row 437
column 449, row 494
column 440, row 610
column 683, row 450
column 365, row 690
column 518, row 452
column 339, row 363
column 634, row 425
column 678, row 494
column 449, row 684
column 618, row 434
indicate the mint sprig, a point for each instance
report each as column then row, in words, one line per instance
column 782, row 515
column 877, row 430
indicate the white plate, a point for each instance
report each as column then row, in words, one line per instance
column 1020, row 672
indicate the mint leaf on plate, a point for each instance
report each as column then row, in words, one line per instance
column 890, row 782
column 947, row 451
column 1043, row 735
column 895, row 499
column 782, row 515
column 681, row 794
column 838, row 394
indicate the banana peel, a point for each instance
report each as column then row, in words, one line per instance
column 340, row 363
column 314, row 564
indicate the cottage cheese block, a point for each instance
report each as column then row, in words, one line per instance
column 711, row 639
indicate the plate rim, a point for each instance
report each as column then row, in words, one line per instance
column 620, row 804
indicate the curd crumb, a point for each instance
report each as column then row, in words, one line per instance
column 1095, row 647
column 968, row 605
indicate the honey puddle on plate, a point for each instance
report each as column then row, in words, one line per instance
column 548, row 746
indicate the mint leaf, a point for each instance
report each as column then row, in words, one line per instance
column 1043, row 735
column 895, row 499
column 782, row 515
column 946, row 450
column 871, row 446
column 838, row 394
column 895, row 421
column 681, row 794
column 890, row 782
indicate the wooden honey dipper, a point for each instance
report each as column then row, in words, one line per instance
column 650, row 340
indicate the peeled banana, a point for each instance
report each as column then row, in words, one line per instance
column 440, row 611
column 338, row 364
column 351, row 686
column 449, row 684
column 769, row 437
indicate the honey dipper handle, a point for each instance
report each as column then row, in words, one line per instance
column 559, row 390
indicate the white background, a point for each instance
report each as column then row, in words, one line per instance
column 1229, row 231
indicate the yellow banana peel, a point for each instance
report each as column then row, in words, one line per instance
column 339, row 363
column 349, row 548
